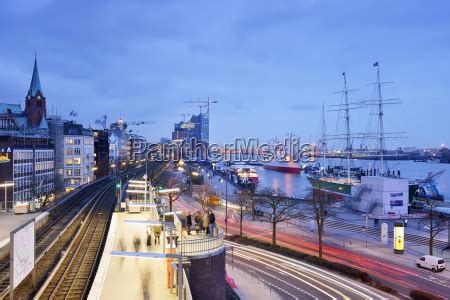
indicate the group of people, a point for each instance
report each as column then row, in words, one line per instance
column 205, row 222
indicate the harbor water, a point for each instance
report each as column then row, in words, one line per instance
column 297, row 185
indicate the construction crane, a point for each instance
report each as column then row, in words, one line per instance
column 431, row 176
column 206, row 103
column 199, row 106
column 183, row 115
column 103, row 122
column 125, row 124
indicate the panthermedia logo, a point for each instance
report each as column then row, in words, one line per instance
column 247, row 150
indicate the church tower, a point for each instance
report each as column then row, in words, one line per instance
column 35, row 105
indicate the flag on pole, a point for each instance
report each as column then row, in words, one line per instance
column 375, row 64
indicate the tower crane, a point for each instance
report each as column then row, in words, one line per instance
column 103, row 121
column 183, row 115
column 199, row 106
column 206, row 103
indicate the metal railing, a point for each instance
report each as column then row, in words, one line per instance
column 187, row 295
column 202, row 245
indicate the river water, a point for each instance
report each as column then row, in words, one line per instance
column 296, row 185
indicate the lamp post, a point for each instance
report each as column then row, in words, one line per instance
column 226, row 199
column 6, row 185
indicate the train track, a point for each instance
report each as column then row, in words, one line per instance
column 48, row 235
column 53, row 238
column 51, row 245
column 73, row 276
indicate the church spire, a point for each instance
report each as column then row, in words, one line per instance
column 35, row 85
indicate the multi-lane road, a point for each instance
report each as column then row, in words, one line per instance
column 292, row 279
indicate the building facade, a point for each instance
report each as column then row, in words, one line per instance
column 56, row 132
column 101, row 153
column 78, row 155
column 26, row 150
column 119, row 145
column 196, row 128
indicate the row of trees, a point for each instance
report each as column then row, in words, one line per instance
column 276, row 207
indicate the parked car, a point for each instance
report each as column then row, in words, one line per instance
column 432, row 263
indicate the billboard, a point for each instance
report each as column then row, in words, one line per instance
column 22, row 256
column 399, row 236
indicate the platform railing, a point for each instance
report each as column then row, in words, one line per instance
column 187, row 295
column 202, row 244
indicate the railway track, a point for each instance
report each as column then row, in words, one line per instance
column 53, row 239
column 73, row 276
column 51, row 244
column 48, row 235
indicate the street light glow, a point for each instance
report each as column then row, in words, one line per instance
column 7, row 184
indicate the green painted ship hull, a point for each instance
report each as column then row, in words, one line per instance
column 333, row 187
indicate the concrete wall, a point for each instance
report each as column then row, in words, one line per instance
column 41, row 220
column 207, row 277
column 390, row 194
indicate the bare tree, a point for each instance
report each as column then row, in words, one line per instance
column 243, row 200
column 172, row 183
column 277, row 208
column 155, row 170
column 320, row 206
column 440, row 225
column 42, row 195
column 204, row 195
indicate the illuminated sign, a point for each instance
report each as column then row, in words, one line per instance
column 5, row 155
column 187, row 125
column 4, row 158
column 399, row 238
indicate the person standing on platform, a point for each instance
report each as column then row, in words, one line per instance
column 206, row 222
column 197, row 219
column 212, row 222
column 189, row 222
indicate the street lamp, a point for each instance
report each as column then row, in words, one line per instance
column 226, row 199
column 6, row 185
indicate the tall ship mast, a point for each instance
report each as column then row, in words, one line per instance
column 345, row 182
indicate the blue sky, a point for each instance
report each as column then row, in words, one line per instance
column 270, row 64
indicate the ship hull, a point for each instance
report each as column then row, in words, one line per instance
column 285, row 169
column 336, row 188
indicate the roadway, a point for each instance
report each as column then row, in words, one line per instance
column 401, row 278
column 292, row 279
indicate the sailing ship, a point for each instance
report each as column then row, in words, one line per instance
column 342, row 181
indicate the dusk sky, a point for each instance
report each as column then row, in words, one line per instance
column 270, row 64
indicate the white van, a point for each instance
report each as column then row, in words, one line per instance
column 432, row 263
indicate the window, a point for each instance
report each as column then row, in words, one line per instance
column 69, row 162
column 77, row 172
column 77, row 161
column 69, row 141
column 77, row 151
column 69, row 151
column 69, row 172
column 77, row 142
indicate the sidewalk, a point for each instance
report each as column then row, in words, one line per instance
column 251, row 287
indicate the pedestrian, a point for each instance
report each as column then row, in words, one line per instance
column 197, row 219
column 212, row 222
column 406, row 222
column 189, row 222
column 206, row 223
column 157, row 229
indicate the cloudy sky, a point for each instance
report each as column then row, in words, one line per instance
column 270, row 64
